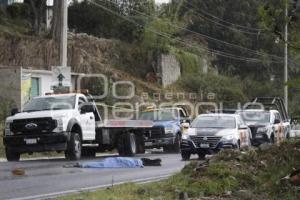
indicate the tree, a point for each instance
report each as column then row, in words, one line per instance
column 37, row 13
column 56, row 20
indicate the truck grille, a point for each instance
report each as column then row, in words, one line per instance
column 211, row 140
column 34, row 125
column 154, row 132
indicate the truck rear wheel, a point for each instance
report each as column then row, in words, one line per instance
column 127, row 145
column 11, row 155
column 140, row 144
column 73, row 151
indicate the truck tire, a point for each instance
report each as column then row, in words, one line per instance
column 140, row 143
column 73, row 151
column 175, row 148
column 185, row 155
column 127, row 145
column 11, row 155
column 88, row 152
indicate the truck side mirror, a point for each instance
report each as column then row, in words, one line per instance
column 87, row 108
column 277, row 121
column 14, row 111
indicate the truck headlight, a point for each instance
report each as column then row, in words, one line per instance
column 262, row 130
column 60, row 125
column 168, row 130
column 7, row 131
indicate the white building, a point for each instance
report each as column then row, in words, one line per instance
column 19, row 84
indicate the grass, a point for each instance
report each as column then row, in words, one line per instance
column 256, row 174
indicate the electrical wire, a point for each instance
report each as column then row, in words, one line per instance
column 216, row 52
column 224, row 21
column 205, row 36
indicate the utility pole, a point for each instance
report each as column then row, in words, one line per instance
column 286, row 89
column 64, row 34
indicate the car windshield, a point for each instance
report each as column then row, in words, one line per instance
column 159, row 115
column 50, row 103
column 260, row 117
column 214, row 122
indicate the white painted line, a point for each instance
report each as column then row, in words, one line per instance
column 93, row 188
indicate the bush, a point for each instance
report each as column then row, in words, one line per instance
column 227, row 89
column 18, row 11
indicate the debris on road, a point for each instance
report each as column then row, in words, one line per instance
column 18, row 172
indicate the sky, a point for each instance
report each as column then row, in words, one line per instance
column 161, row 1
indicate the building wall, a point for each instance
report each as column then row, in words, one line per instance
column 169, row 69
column 11, row 84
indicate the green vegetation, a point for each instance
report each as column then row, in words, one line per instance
column 255, row 175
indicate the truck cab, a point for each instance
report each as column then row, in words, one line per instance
column 167, row 129
column 58, row 122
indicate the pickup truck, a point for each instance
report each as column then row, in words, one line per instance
column 270, row 124
column 167, row 129
column 265, row 125
column 68, row 123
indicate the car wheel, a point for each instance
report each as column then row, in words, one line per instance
column 73, row 151
column 201, row 155
column 185, row 155
column 11, row 155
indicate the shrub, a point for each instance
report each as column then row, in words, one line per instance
column 18, row 11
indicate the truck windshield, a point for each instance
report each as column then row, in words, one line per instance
column 50, row 103
column 159, row 115
column 214, row 122
column 260, row 117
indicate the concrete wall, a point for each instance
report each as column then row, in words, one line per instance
column 10, row 88
column 168, row 69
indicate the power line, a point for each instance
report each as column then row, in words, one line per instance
column 205, row 36
column 224, row 21
column 216, row 52
column 220, row 24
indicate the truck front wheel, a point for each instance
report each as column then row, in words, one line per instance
column 11, row 155
column 174, row 148
column 73, row 151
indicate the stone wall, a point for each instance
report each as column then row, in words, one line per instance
column 168, row 69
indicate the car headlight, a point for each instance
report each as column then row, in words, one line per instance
column 7, row 131
column 227, row 138
column 262, row 130
column 168, row 130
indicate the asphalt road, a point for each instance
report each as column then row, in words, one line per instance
column 48, row 178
